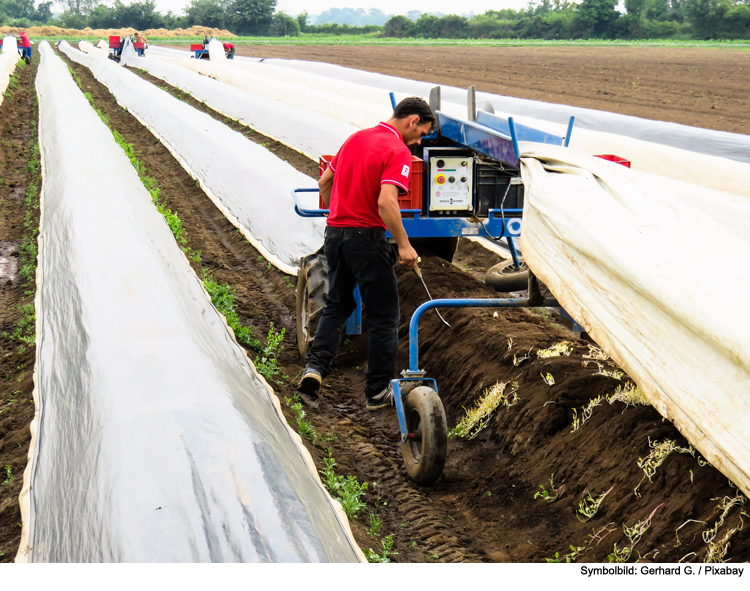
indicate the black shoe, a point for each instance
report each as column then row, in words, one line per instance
column 381, row 400
column 309, row 384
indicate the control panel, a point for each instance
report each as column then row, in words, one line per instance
column 451, row 182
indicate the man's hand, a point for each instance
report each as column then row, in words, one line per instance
column 390, row 212
column 408, row 256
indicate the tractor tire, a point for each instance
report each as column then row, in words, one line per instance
column 424, row 456
column 505, row 277
column 312, row 293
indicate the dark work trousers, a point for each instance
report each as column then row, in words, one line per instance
column 359, row 256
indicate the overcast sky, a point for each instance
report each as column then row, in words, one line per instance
column 387, row 6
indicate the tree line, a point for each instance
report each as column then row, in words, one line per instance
column 545, row 19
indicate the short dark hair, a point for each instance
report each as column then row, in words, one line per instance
column 414, row 106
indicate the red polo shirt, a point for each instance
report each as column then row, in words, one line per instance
column 368, row 159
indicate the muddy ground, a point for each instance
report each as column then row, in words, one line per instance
column 693, row 86
column 490, row 505
column 18, row 117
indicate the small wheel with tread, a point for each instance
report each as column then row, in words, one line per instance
column 425, row 454
column 505, row 277
column 312, row 294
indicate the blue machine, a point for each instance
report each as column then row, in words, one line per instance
column 471, row 187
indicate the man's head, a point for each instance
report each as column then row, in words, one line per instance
column 414, row 119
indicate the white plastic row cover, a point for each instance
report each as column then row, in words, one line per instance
column 307, row 132
column 734, row 146
column 155, row 440
column 8, row 61
column 341, row 93
column 251, row 186
column 618, row 249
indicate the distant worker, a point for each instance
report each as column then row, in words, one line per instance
column 139, row 38
column 229, row 50
column 361, row 186
column 25, row 47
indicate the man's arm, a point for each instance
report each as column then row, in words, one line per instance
column 391, row 214
column 326, row 184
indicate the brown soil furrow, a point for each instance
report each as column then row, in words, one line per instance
column 18, row 119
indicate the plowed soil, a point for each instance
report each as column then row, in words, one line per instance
column 18, row 116
column 693, row 86
column 513, row 493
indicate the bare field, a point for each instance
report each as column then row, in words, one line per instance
column 693, row 86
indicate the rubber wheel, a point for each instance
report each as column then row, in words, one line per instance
column 312, row 293
column 505, row 277
column 424, row 456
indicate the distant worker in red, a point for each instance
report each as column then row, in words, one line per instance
column 139, row 38
column 25, row 47
column 361, row 186
column 229, row 50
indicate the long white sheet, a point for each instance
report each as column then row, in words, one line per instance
column 155, row 440
column 251, row 186
column 656, row 272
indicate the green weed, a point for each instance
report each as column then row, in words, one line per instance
column 222, row 297
column 375, row 524
column 346, row 489
column 553, row 493
column 387, row 550
column 267, row 362
column 8, row 476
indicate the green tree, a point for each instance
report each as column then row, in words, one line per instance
column 102, row 17
column 635, row 7
column 284, row 25
column 427, row 26
column 78, row 7
column 139, row 15
column 398, row 26
column 43, row 12
column 251, row 17
column 598, row 16
column 17, row 9
column 705, row 16
column 207, row 13
column 302, row 19
column 454, row 26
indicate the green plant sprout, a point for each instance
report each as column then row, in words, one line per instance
column 553, row 493
column 375, row 525
column 346, row 489
column 387, row 550
column 267, row 362
column 8, row 476
column 575, row 552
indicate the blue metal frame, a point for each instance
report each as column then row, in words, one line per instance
column 414, row 373
column 505, row 223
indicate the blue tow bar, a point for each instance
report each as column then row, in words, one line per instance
column 414, row 374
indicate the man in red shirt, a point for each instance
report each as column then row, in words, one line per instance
column 361, row 187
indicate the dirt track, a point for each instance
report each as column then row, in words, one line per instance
column 484, row 508
column 701, row 87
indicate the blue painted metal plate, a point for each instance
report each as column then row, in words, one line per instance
column 523, row 132
column 479, row 138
